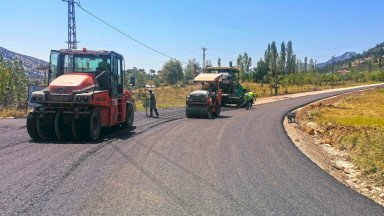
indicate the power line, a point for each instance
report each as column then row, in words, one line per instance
column 126, row 35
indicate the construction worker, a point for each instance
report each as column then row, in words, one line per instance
column 253, row 96
column 248, row 100
column 104, row 65
column 152, row 104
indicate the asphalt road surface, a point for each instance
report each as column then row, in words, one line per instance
column 241, row 163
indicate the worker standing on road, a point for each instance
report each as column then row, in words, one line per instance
column 152, row 104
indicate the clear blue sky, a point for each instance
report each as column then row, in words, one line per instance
column 179, row 28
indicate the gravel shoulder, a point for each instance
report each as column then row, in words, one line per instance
column 332, row 160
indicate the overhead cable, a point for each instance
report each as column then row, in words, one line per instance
column 126, row 35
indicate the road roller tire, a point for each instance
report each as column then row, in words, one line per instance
column 46, row 127
column 78, row 129
column 32, row 126
column 94, row 125
column 62, row 126
column 129, row 117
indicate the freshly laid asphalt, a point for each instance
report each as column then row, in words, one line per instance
column 241, row 163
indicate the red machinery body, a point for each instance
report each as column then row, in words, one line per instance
column 86, row 94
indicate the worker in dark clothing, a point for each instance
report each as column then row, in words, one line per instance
column 104, row 66
column 152, row 104
column 104, row 73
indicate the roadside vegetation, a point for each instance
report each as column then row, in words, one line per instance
column 356, row 125
column 279, row 71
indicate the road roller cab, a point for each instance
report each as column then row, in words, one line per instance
column 85, row 93
column 206, row 101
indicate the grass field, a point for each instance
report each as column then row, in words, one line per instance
column 356, row 125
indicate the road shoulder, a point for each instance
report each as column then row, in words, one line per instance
column 333, row 161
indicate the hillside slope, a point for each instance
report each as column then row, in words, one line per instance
column 29, row 63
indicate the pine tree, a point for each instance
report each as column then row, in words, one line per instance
column 291, row 60
column 306, row 64
column 273, row 63
column 282, row 58
column 244, row 63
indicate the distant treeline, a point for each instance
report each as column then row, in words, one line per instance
column 13, row 84
column 277, row 68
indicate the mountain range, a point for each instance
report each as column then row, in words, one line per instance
column 336, row 59
column 29, row 63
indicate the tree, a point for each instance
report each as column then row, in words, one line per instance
column 282, row 58
column 141, row 77
column 370, row 64
column 273, row 65
column 172, row 72
column 219, row 62
column 293, row 64
column 244, row 63
column 311, row 65
column 191, row 70
column 267, row 55
column 306, row 64
column 13, row 83
column 261, row 71
column 290, row 58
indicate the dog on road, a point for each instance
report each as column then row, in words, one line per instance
column 291, row 117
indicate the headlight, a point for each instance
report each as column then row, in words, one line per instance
column 40, row 97
column 34, row 97
column 78, row 98
column 85, row 98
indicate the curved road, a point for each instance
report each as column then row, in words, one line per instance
column 242, row 163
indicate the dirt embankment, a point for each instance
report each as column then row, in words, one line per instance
column 311, row 140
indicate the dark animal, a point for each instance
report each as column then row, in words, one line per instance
column 291, row 117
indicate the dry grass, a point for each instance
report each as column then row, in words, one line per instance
column 356, row 125
column 174, row 96
column 170, row 97
column 12, row 112
column 166, row 96
column 267, row 91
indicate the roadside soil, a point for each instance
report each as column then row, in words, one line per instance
column 308, row 139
